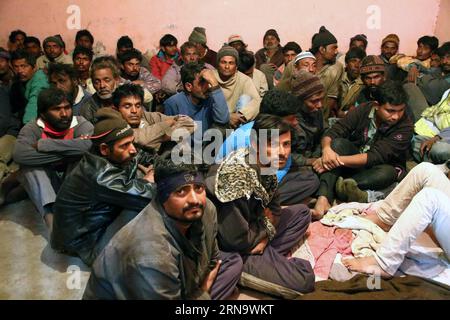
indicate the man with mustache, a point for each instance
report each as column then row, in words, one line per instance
column 47, row 148
column 351, row 84
column 53, row 52
column 30, row 81
column 368, row 147
column 103, row 192
column 251, row 221
column 131, row 71
column 169, row 250
column 64, row 77
column 373, row 75
column 105, row 78
column 324, row 46
column 271, row 57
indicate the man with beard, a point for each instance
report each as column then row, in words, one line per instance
column 251, row 222
column 47, row 148
column 131, row 71
column 389, row 48
column 270, row 58
column 53, row 52
column 64, row 77
column 171, row 82
column 82, row 59
column 303, row 61
column 324, row 47
column 202, row 99
column 168, row 251
column 373, row 75
column 105, row 79
column 368, row 147
column 351, row 84
column 296, row 181
column 103, row 192
column 206, row 54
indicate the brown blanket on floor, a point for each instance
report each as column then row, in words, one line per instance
column 398, row 288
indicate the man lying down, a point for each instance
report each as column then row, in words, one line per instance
column 420, row 201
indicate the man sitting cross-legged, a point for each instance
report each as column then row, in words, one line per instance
column 48, row 147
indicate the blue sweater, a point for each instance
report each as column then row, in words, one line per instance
column 213, row 109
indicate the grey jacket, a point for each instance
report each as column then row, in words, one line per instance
column 33, row 151
column 150, row 259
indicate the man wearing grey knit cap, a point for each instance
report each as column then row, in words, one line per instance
column 240, row 93
column 198, row 36
column 54, row 52
column 325, row 48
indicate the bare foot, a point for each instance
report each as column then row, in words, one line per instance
column 368, row 265
column 48, row 218
column 322, row 206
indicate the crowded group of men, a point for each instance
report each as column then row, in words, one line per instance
column 93, row 140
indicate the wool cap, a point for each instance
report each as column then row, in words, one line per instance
column 235, row 38
column 391, row 38
column 303, row 55
column 271, row 32
column 110, row 126
column 227, row 50
column 54, row 39
column 359, row 37
column 198, row 35
column 4, row 54
column 371, row 64
column 323, row 38
column 305, row 84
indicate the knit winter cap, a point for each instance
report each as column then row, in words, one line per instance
column 198, row 35
column 303, row 55
column 54, row 39
column 360, row 37
column 227, row 50
column 305, row 84
column 110, row 126
column 235, row 38
column 4, row 54
column 371, row 64
column 323, row 38
column 271, row 32
column 391, row 38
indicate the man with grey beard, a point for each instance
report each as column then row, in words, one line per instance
column 105, row 78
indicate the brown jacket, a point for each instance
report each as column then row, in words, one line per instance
column 154, row 128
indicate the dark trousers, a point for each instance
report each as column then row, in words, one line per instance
column 375, row 178
column 228, row 276
column 297, row 185
column 273, row 265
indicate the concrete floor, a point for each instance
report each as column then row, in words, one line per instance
column 30, row 269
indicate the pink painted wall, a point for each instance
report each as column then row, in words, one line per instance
column 146, row 21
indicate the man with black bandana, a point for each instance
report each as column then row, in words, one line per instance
column 169, row 251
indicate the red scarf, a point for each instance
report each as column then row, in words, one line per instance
column 50, row 133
